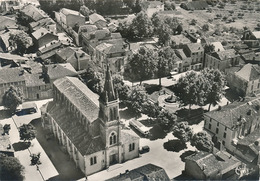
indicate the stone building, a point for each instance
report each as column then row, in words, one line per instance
column 88, row 126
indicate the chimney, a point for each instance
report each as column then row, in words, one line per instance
column 249, row 112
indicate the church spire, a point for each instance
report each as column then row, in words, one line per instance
column 108, row 93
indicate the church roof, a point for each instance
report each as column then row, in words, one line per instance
column 80, row 96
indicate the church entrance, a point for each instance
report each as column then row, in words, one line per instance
column 112, row 159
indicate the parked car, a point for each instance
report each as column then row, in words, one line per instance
column 144, row 149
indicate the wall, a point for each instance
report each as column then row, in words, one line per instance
column 90, row 169
column 128, row 155
column 192, row 169
column 39, row 92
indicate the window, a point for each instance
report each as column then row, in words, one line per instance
column 252, row 87
column 209, row 126
column 93, row 160
column 216, row 130
column 225, row 128
column 131, row 147
column 217, row 124
column 225, row 135
column 112, row 138
column 223, row 142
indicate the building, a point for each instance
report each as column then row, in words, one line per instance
column 75, row 56
column 252, row 39
column 7, row 23
column 151, row 7
column 32, row 13
column 46, row 23
column 233, row 122
column 43, row 38
column 211, row 166
column 222, row 59
column 5, row 144
column 11, row 60
column 6, row 5
column 147, row 172
column 196, row 52
column 245, row 81
column 185, row 62
column 69, row 18
column 179, row 40
column 97, row 20
column 89, row 126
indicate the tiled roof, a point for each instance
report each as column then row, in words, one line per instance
column 8, row 75
column 8, row 56
column 69, row 54
column 66, row 12
column 230, row 114
column 43, row 23
column 56, row 71
column 74, row 130
column 256, row 34
column 224, row 55
column 195, row 47
column 180, row 53
column 80, row 96
column 87, row 28
column 5, row 142
column 149, row 172
column 180, row 39
column 116, row 36
column 6, row 22
column 33, row 12
column 127, row 137
column 32, row 80
column 50, row 48
column 110, row 48
column 96, row 17
column 40, row 33
column 249, row 72
column 218, row 46
column 211, row 164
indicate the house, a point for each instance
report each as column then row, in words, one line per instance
column 245, row 81
column 252, row 39
column 5, row 144
column 46, row 23
column 32, row 13
column 179, row 40
column 75, row 56
column 12, row 77
column 88, row 126
column 233, row 122
column 218, row 46
column 112, row 53
column 11, row 60
column 53, row 72
column 222, row 59
column 211, row 166
column 250, row 57
column 195, row 5
column 43, row 38
column 196, row 52
column 97, row 20
column 248, row 148
column 147, row 172
column 69, row 18
column 49, row 52
column 7, row 23
column 184, row 61
column 6, row 5
column 151, row 7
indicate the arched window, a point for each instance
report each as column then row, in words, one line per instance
column 112, row 138
column 115, row 113
column 111, row 115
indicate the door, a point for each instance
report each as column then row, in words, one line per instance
column 112, row 159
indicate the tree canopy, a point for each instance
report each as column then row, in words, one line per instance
column 27, row 132
column 10, row 168
column 21, row 40
column 12, row 98
column 202, row 141
column 182, row 131
column 143, row 64
column 121, row 87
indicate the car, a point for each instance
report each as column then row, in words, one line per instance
column 144, row 149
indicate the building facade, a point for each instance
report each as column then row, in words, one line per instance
column 94, row 139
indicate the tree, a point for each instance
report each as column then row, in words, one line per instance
column 10, row 168
column 35, row 159
column 186, row 89
column 120, row 87
column 205, row 27
column 166, row 118
column 202, row 141
column 6, row 128
column 182, row 131
column 84, row 11
column 12, row 98
column 179, row 29
column 166, row 60
column 141, row 26
column 157, row 21
column 193, row 22
column 27, row 132
column 21, row 40
column 150, row 109
column 209, row 48
column 215, row 87
column 164, row 34
column 143, row 64
column 169, row 6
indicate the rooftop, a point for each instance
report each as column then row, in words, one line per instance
column 33, row 80
column 43, row 23
column 195, row 47
column 66, row 12
column 33, row 12
column 218, row 46
column 224, row 55
column 9, row 56
column 8, row 75
column 149, row 172
column 249, row 72
column 40, row 33
column 180, row 39
column 69, row 53
column 7, row 22
column 256, row 34
column 230, row 114
column 56, row 71
column 96, row 17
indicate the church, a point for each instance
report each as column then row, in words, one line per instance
column 88, row 126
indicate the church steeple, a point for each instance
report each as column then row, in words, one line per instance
column 108, row 93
